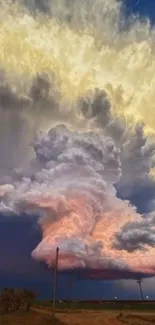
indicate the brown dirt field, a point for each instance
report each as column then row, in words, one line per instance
column 30, row 318
column 138, row 319
column 86, row 318
column 103, row 318
column 97, row 318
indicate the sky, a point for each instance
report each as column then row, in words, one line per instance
column 19, row 236
column 142, row 8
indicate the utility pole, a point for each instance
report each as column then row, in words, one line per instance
column 139, row 281
column 70, row 285
column 55, row 281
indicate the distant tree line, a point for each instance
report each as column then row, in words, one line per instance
column 12, row 300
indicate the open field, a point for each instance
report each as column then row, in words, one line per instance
column 90, row 318
column 105, row 313
column 44, row 317
column 103, row 318
column 117, row 306
column 31, row 318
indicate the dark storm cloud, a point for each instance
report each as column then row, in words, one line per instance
column 41, row 91
column 43, row 6
column 20, row 117
column 44, row 94
column 137, row 150
column 23, row 112
column 42, row 98
column 65, row 156
column 96, row 106
column 136, row 235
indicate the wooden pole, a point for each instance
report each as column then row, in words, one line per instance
column 55, row 281
column 140, row 287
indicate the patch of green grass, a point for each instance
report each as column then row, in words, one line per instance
column 90, row 306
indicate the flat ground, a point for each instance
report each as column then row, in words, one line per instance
column 44, row 317
column 30, row 318
column 85, row 317
column 118, row 306
column 103, row 318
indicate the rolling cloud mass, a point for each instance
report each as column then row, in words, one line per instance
column 77, row 135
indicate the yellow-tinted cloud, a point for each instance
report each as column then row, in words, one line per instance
column 83, row 59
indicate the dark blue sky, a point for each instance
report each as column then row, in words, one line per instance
column 18, row 238
column 141, row 7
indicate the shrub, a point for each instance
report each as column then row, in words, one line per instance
column 12, row 300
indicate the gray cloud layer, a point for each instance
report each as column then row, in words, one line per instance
column 136, row 235
column 136, row 149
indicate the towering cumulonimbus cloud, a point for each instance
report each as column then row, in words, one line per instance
column 72, row 187
column 70, row 184
column 83, row 75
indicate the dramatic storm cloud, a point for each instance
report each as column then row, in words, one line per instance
column 78, row 130
column 137, row 235
column 70, row 185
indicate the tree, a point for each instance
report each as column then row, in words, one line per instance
column 28, row 297
column 6, row 299
column 14, row 300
